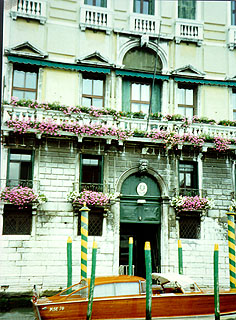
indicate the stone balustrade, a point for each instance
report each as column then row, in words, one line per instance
column 95, row 18
column 142, row 23
column 30, row 9
column 232, row 37
column 188, row 30
column 40, row 115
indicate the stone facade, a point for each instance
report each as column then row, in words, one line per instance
column 65, row 48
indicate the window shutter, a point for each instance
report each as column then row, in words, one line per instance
column 151, row 7
column 134, row 6
column 186, row 9
column 125, row 95
column 104, row 3
column 156, row 98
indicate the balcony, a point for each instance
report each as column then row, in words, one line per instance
column 142, row 23
column 29, row 9
column 232, row 37
column 11, row 183
column 188, row 31
column 136, row 125
column 95, row 18
column 190, row 192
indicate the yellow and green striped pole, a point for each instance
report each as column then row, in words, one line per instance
column 84, row 240
column 130, row 255
column 231, row 244
column 180, row 256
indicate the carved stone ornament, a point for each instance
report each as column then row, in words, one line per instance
column 142, row 189
column 143, row 166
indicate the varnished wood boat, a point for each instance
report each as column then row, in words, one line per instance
column 123, row 297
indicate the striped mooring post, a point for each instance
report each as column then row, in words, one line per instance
column 231, row 244
column 69, row 262
column 130, row 255
column 148, row 263
column 180, row 257
column 84, row 240
column 216, row 282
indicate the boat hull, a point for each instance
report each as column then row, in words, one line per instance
column 134, row 307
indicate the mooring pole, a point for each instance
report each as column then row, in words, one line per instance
column 148, row 263
column 130, row 255
column 84, row 240
column 231, row 244
column 216, row 282
column 180, row 256
column 69, row 262
column 92, row 281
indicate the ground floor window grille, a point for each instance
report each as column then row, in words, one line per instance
column 95, row 223
column 189, row 226
column 17, row 221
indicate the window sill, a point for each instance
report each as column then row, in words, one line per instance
column 14, row 15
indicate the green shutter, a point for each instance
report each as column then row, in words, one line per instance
column 151, row 7
column 104, row 3
column 134, row 6
column 156, row 98
column 125, row 95
column 186, row 9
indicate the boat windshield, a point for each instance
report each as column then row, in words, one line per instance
column 116, row 289
column 78, row 289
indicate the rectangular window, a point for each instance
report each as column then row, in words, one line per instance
column 95, row 222
column 91, row 174
column 25, row 82
column 190, row 226
column 97, row 3
column 144, row 6
column 186, row 99
column 17, row 221
column 140, row 97
column 93, row 93
column 233, row 12
column 188, row 178
column 234, row 103
column 187, row 9
column 20, row 168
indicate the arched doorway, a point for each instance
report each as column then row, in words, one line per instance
column 140, row 218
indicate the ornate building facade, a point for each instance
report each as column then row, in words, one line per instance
column 131, row 106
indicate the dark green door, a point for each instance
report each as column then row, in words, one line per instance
column 140, row 218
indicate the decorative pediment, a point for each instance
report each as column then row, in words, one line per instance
column 94, row 58
column 26, row 49
column 189, row 71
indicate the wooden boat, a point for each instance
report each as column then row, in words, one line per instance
column 123, row 297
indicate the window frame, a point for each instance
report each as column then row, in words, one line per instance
column 92, row 184
column 151, row 7
column 144, row 102
column 24, row 89
column 194, row 189
column 95, row 5
column 234, row 105
column 178, row 10
column 23, row 182
column 91, row 96
column 96, row 213
column 186, row 216
column 187, row 106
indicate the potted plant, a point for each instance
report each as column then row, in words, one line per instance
column 191, row 203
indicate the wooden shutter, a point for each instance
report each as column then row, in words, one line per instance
column 156, row 98
column 151, row 7
column 125, row 95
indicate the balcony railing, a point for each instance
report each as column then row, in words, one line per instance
column 29, row 9
column 40, row 115
column 98, row 187
column 190, row 192
column 34, row 184
column 95, row 18
column 188, row 31
column 142, row 23
column 232, row 37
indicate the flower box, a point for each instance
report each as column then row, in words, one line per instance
column 191, row 203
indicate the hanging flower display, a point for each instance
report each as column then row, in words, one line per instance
column 21, row 196
column 92, row 198
column 188, row 203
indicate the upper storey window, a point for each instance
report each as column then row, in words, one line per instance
column 144, row 6
column 24, row 85
column 187, row 9
column 186, row 100
column 97, row 3
column 140, row 97
column 233, row 12
column 93, row 92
